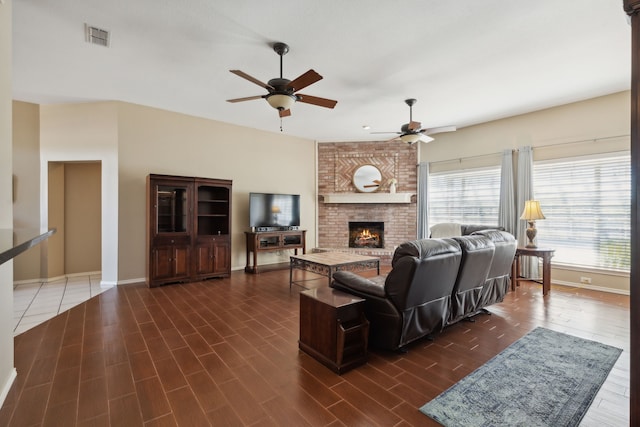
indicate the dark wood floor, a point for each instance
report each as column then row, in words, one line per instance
column 225, row 352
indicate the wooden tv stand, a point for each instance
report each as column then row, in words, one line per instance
column 265, row 241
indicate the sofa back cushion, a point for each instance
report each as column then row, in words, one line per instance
column 477, row 256
column 422, row 270
column 467, row 229
column 505, row 244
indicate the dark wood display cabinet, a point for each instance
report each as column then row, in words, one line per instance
column 189, row 224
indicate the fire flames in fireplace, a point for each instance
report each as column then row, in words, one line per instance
column 366, row 234
column 367, row 239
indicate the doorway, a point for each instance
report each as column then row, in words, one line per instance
column 75, row 209
column 72, row 256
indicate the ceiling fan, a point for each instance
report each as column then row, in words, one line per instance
column 413, row 132
column 283, row 93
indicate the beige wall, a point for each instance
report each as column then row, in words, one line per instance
column 593, row 126
column 132, row 141
column 7, row 370
column 55, row 218
column 82, row 217
column 69, row 202
column 26, row 187
column 84, row 133
column 157, row 141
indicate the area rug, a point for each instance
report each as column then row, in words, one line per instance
column 546, row 378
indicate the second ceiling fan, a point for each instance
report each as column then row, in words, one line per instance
column 413, row 132
column 283, row 93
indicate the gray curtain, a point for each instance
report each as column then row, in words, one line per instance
column 507, row 214
column 528, row 265
column 423, row 200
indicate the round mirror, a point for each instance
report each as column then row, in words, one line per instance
column 367, row 178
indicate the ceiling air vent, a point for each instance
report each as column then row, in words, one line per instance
column 96, row 35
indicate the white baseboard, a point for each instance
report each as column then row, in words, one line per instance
column 53, row 279
column 88, row 273
column 7, row 386
column 41, row 280
column 132, row 281
column 107, row 284
column 591, row 287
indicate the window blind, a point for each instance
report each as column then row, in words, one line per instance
column 587, row 205
column 467, row 196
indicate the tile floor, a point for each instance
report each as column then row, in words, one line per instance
column 225, row 352
column 36, row 302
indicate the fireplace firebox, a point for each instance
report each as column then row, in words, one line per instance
column 368, row 234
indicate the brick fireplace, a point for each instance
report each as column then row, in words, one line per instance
column 336, row 164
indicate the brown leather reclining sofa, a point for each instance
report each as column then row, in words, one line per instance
column 432, row 283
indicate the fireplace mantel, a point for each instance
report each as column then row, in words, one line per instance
column 368, row 198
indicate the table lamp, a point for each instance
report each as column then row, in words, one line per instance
column 531, row 213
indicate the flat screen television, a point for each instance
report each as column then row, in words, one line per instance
column 274, row 210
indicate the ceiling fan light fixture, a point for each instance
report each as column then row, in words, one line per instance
column 410, row 138
column 280, row 101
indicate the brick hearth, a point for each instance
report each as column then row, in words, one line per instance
column 336, row 165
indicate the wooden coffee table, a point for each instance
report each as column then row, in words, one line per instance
column 327, row 263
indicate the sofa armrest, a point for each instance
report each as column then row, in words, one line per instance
column 350, row 280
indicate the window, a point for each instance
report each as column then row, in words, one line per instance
column 587, row 205
column 467, row 196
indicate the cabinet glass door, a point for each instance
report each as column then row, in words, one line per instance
column 171, row 209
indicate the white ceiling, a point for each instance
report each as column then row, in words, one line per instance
column 466, row 61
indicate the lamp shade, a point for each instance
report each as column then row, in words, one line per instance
column 281, row 102
column 532, row 211
column 410, row 138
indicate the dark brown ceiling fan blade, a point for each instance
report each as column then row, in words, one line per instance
column 440, row 129
column 387, row 132
column 322, row 102
column 304, row 80
column 251, row 79
column 284, row 113
column 247, row 98
column 392, row 139
column 414, row 125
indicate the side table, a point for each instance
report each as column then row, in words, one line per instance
column 545, row 254
column 333, row 328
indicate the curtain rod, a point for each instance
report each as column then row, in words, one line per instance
column 515, row 150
